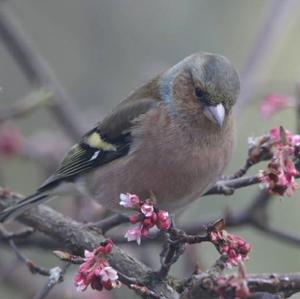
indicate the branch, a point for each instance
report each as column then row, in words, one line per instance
column 33, row 268
column 14, row 278
column 38, row 72
column 56, row 275
column 176, row 241
column 135, row 274
column 255, row 215
column 76, row 239
column 204, row 285
column 227, row 187
column 287, row 284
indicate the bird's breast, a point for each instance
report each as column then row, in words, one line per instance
column 163, row 162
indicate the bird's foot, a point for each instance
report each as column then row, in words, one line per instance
column 222, row 188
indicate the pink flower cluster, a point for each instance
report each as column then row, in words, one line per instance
column 279, row 177
column 148, row 216
column 10, row 141
column 233, row 246
column 273, row 103
column 96, row 271
column 234, row 286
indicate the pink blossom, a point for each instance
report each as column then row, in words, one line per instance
column 148, row 217
column 147, row 209
column 80, row 283
column 96, row 271
column 163, row 220
column 129, row 200
column 109, row 278
column 235, row 286
column 88, row 254
column 291, row 139
column 134, row 234
column 275, row 136
column 233, row 246
column 149, row 222
column 108, row 273
column 279, row 177
column 10, row 141
column 295, row 139
column 272, row 104
column 278, row 180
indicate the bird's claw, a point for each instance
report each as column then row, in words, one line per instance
column 222, row 188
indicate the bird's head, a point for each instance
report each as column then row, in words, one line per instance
column 203, row 86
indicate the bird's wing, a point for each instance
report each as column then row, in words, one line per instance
column 109, row 140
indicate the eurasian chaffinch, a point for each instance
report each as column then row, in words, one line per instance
column 171, row 138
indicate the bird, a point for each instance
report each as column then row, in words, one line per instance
column 171, row 138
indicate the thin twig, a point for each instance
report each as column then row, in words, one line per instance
column 68, row 257
column 26, row 105
column 177, row 239
column 33, row 268
column 255, row 215
column 144, row 291
column 242, row 171
column 134, row 285
column 6, row 235
column 56, row 276
column 227, row 187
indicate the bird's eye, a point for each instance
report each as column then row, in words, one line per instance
column 199, row 93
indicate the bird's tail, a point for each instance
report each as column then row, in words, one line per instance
column 22, row 206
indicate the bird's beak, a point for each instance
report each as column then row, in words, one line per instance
column 215, row 113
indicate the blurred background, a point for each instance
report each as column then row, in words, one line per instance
column 99, row 51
